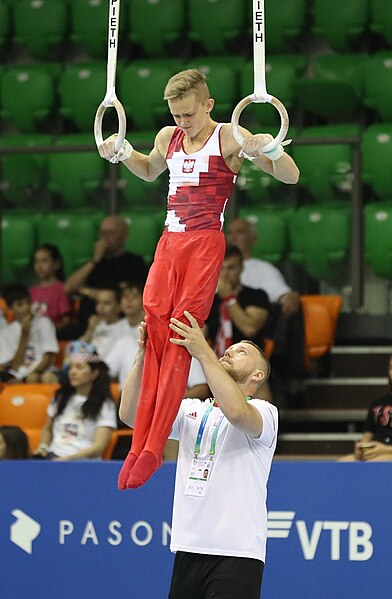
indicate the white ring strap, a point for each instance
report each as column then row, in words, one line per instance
column 260, row 92
column 110, row 98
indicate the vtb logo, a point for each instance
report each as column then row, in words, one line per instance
column 24, row 530
column 359, row 545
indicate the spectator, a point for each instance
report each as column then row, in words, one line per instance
column 286, row 325
column 375, row 445
column 237, row 311
column 104, row 327
column 28, row 346
column 110, row 265
column 82, row 415
column 132, row 308
column 260, row 274
column 14, row 444
column 48, row 297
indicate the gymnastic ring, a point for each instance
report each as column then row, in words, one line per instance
column 284, row 121
column 122, row 124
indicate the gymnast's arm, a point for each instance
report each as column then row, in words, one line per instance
column 131, row 389
column 146, row 167
column 282, row 167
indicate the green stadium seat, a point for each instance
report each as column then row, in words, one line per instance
column 377, row 158
column 74, row 235
column 326, row 169
column 144, row 233
column 75, row 175
column 281, row 75
column 5, row 24
column 271, row 233
column 320, row 241
column 381, row 19
column 82, row 87
column 140, row 88
column 40, row 27
column 27, row 96
column 378, row 84
column 335, row 91
column 257, row 185
column 341, row 24
column 222, row 83
column 17, row 246
column 156, row 26
column 285, row 22
column 216, row 26
column 23, row 175
column 137, row 193
column 93, row 40
column 378, row 238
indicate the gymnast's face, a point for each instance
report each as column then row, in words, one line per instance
column 190, row 114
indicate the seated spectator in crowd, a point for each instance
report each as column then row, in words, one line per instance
column 48, row 296
column 260, row 274
column 82, row 415
column 105, row 327
column 3, row 320
column 132, row 308
column 375, row 445
column 286, row 324
column 238, row 312
column 28, row 345
column 110, row 265
column 14, row 444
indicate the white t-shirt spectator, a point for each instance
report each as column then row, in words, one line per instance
column 42, row 339
column 260, row 274
column 105, row 336
column 72, row 432
column 122, row 355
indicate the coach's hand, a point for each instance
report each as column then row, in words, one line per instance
column 192, row 336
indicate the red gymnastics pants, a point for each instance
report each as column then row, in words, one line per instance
column 183, row 276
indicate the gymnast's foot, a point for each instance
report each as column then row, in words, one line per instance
column 126, row 468
column 144, row 468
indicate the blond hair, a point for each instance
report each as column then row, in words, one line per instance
column 185, row 82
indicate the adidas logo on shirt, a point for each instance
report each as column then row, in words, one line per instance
column 192, row 415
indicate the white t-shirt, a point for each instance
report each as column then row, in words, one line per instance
column 231, row 518
column 72, row 432
column 129, row 331
column 122, row 355
column 42, row 339
column 259, row 274
column 120, row 358
column 105, row 336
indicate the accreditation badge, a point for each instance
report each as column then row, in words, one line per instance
column 198, row 478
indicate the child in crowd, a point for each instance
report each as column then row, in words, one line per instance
column 104, row 327
column 82, row 415
column 132, row 308
column 14, row 444
column 48, row 297
column 28, row 345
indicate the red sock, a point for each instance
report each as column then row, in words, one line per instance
column 144, row 468
column 126, row 468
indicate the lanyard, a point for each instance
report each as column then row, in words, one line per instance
column 215, row 433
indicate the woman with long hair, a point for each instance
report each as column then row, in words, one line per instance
column 82, row 414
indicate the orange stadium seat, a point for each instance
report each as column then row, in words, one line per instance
column 26, row 406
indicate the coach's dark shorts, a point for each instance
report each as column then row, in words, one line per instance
column 199, row 576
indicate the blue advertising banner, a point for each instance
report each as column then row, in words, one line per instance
column 67, row 532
